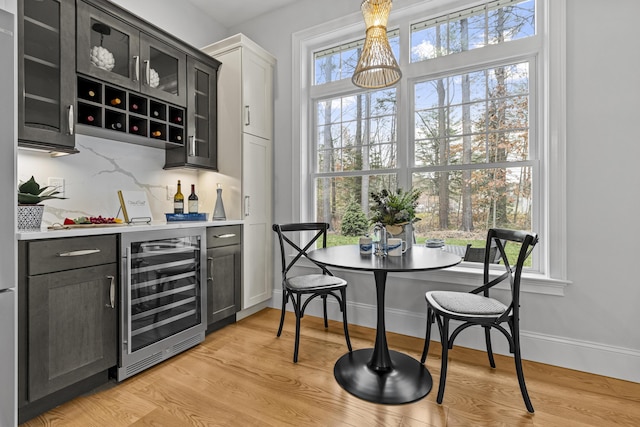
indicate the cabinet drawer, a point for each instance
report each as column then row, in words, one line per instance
column 224, row 236
column 46, row 256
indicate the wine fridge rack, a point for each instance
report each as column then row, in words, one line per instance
column 110, row 112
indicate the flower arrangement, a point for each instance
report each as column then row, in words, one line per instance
column 394, row 209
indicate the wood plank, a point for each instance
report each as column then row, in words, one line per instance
column 244, row 375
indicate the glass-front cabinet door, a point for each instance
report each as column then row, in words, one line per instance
column 163, row 71
column 118, row 53
column 107, row 48
column 46, row 73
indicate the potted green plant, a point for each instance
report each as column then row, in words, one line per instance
column 30, row 211
column 396, row 211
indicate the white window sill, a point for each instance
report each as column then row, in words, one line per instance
column 534, row 283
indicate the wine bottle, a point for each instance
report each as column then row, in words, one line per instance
column 134, row 106
column 134, row 128
column 178, row 201
column 193, row 200
column 155, row 113
column 91, row 94
column 116, row 125
column 116, row 101
column 178, row 119
column 90, row 118
column 156, row 133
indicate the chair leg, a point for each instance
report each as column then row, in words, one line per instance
column 427, row 338
column 518, row 360
column 285, row 297
column 343, row 307
column 324, row 311
column 297, row 339
column 487, row 337
column 444, row 340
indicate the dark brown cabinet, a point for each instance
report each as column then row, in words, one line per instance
column 200, row 149
column 224, row 268
column 68, row 317
column 120, row 53
column 46, row 74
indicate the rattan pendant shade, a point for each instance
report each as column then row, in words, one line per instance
column 377, row 67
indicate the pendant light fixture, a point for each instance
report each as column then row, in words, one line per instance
column 377, row 66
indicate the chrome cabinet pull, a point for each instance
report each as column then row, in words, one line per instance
column 79, row 253
column 192, row 146
column 112, row 292
column 136, row 69
column 246, row 205
column 248, row 111
column 70, row 118
column 147, row 71
column 210, row 268
column 224, row 236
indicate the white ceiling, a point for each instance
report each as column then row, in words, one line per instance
column 233, row 12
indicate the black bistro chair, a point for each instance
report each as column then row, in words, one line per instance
column 478, row 308
column 314, row 285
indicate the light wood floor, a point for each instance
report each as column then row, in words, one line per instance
column 243, row 375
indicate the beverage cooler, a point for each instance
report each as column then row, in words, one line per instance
column 163, row 293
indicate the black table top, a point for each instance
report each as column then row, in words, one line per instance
column 418, row 258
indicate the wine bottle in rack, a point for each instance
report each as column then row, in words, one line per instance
column 156, row 133
column 178, row 201
column 178, row 119
column 89, row 118
column 91, row 94
column 193, row 200
column 155, row 113
column 115, row 101
column 116, row 126
column 178, row 138
column 134, row 128
column 134, row 107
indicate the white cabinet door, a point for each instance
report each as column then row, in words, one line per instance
column 256, row 186
column 257, row 95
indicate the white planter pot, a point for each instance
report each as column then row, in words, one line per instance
column 30, row 217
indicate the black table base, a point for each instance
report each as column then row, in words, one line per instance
column 407, row 381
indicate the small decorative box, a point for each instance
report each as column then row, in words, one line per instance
column 186, row 217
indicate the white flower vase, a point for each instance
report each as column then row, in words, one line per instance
column 30, row 217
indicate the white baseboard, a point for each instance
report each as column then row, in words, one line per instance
column 595, row 358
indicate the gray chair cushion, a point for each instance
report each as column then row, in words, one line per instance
column 466, row 304
column 315, row 281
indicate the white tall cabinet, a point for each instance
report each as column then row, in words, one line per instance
column 245, row 133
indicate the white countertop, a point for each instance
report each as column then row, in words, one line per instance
column 116, row 229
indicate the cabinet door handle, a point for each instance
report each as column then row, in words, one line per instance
column 192, row 146
column 247, row 205
column 112, row 292
column 224, row 236
column 248, row 115
column 209, row 268
column 147, row 72
column 136, row 68
column 79, row 253
column 70, row 119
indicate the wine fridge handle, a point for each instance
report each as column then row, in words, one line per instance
column 147, row 71
column 112, row 292
column 79, row 253
column 248, row 115
column 247, row 205
column 209, row 269
column 136, row 68
column 71, row 119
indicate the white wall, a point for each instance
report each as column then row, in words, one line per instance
column 593, row 327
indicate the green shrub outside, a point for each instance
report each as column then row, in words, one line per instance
column 354, row 221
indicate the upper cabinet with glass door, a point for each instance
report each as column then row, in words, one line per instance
column 116, row 52
column 46, row 76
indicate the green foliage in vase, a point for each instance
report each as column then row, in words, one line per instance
column 354, row 221
column 391, row 208
column 30, row 193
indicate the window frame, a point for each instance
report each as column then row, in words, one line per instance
column 548, row 94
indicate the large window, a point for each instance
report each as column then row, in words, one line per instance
column 468, row 124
